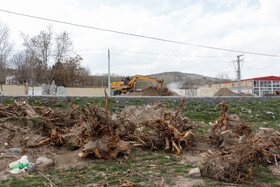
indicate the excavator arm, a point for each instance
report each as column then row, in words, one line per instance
column 147, row 78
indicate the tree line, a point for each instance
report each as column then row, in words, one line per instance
column 46, row 57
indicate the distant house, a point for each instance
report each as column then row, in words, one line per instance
column 257, row 86
column 11, row 80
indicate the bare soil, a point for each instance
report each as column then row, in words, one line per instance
column 153, row 91
column 228, row 92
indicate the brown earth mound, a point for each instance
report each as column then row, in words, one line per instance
column 152, row 91
column 228, row 92
column 270, row 95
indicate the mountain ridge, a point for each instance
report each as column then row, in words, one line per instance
column 187, row 80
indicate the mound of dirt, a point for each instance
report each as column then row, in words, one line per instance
column 270, row 95
column 228, row 92
column 152, row 91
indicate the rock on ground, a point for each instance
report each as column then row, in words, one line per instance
column 195, row 172
column 43, row 162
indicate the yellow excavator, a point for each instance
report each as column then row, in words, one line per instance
column 128, row 85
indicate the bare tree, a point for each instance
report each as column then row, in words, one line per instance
column 222, row 76
column 62, row 50
column 5, row 49
column 63, row 47
column 20, row 62
column 70, row 73
column 39, row 48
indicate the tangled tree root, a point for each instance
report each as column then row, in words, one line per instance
column 240, row 148
column 169, row 131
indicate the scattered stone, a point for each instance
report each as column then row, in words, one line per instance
column 167, row 157
column 275, row 169
column 31, row 167
column 195, row 172
column 43, row 162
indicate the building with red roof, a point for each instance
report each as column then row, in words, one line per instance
column 257, row 86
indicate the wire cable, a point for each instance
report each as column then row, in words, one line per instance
column 138, row 35
column 169, row 55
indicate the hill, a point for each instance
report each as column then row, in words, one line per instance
column 187, row 80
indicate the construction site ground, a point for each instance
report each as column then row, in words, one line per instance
column 153, row 91
column 144, row 164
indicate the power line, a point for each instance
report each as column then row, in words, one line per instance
column 138, row 35
column 140, row 53
column 169, row 55
column 91, row 50
column 163, row 58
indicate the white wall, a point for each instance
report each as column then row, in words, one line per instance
column 37, row 91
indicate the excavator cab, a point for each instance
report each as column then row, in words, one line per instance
column 126, row 80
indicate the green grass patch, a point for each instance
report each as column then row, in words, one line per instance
column 36, row 102
column 9, row 101
column 38, row 122
column 263, row 174
column 13, row 119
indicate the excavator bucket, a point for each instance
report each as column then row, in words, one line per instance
column 160, row 85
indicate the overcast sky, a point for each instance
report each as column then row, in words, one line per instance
column 244, row 25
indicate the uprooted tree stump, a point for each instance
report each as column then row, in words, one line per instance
column 227, row 129
column 163, row 130
column 239, row 149
column 91, row 129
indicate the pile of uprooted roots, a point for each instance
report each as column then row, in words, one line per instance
column 90, row 129
column 95, row 131
column 240, row 149
column 162, row 129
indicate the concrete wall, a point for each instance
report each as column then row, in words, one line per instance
column 37, row 91
column 73, row 91
column 248, row 83
column 186, row 92
column 206, row 92
column 10, row 89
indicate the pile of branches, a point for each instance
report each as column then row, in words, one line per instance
column 90, row 129
column 170, row 131
column 240, row 149
column 95, row 131
column 18, row 109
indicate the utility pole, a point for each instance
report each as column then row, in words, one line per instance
column 238, row 74
column 1, row 71
column 32, row 73
column 109, row 81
